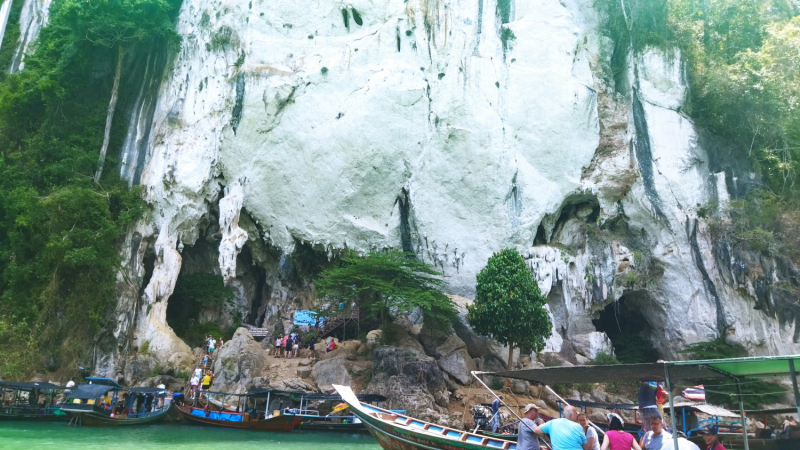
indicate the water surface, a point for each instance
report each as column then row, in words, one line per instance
column 57, row 435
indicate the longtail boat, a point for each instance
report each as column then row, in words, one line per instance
column 30, row 401
column 313, row 420
column 395, row 431
column 87, row 404
column 245, row 415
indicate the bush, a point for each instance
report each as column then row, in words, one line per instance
column 604, row 359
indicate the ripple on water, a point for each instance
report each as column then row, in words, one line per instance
column 57, row 435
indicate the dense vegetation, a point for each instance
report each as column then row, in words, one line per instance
column 743, row 63
column 192, row 294
column 382, row 282
column 509, row 307
column 59, row 227
column 720, row 391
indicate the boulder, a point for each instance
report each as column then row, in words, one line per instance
column 374, row 336
column 304, row 372
column 477, row 346
column 491, row 363
column 329, row 372
column 519, row 387
column 590, row 344
column 412, row 382
column 347, row 350
column 458, row 364
column 432, row 337
column 239, row 360
column 294, row 385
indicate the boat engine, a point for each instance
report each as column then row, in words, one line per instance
column 481, row 416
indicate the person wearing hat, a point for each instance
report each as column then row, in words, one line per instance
column 710, row 438
column 527, row 438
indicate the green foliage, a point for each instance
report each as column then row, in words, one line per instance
column 156, row 370
column 723, row 391
column 145, row 348
column 508, row 305
column 202, row 290
column 716, row 349
column 10, row 38
column 381, row 281
column 391, row 333
column 59, row 230
column 584, row 387
column 496, row 383
column 183, row 374
column 604, row 359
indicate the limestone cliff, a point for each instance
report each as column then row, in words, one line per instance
column 285, row 133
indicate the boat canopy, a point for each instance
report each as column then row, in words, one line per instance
column 89, row 391
column 611, row 406
column 146, row 390
column 104, row 381
column 29, row 386
column 736, row 369
column 711, row 410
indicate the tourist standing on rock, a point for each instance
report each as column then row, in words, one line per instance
column 205, row 362
column 566, row 433
column 616, row 438
column 194, row 382
column 653, row 439
column 591, row 433
column 311, row 343
column 211, row 345
column 527, row 438
column 288, row 348
column 295, row 345
column 647, row 404
column 496, row 414
column 278, row 343
column 220, row 342
column 285, row 348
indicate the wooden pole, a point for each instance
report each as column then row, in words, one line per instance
column 741, row 412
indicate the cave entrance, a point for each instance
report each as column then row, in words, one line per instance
column 628, row 330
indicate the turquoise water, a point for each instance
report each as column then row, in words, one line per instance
column 57, row 435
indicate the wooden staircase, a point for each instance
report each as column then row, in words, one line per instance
column 333, row 324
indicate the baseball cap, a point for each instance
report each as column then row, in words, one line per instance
column 708, row 431
column 531, row 406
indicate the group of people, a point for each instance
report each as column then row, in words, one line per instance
column 287, row 345
column 202, row 378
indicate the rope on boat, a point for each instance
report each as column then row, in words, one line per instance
column 474, row 374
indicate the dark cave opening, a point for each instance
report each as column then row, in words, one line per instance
column 628, row 329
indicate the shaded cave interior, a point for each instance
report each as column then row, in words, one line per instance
column 629, row 331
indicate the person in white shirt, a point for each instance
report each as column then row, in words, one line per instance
column 591, row 433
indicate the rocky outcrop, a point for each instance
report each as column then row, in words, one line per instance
column 411, row 382
column 238, row 361
column 329, row 372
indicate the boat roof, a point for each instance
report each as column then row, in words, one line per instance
column 754, row 367
column 711, row 410
column 89, row 391
column 23, row 386
column 146, row 390
column 104, row 381
column 772, row 411
column 581, row 403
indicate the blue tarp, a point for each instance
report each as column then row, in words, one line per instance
column 302, row 317
column 218, row 416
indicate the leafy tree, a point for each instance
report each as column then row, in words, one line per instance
column 387, row 280
column 509, row 307
column 61, row 223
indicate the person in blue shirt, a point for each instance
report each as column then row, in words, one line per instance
column 565, row 433
column 496, row 413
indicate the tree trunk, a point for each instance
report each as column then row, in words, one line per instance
column 112, row 106
column 510, row 355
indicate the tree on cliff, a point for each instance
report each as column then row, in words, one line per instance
column 386, row 280
column 509, row 307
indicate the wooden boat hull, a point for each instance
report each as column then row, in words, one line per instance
column 398, row 432
column 336, row 427
column 508, row 437
column 284, row 422
column 102, row 418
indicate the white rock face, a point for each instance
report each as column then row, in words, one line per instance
column 439, row 129
column 33, row 17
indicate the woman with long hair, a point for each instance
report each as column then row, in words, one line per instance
column 616, row 438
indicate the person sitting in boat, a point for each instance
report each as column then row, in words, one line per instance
column 591, row 433
column 710, row 438
column 565, row 433
column 616, row 438
column 526, row 436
